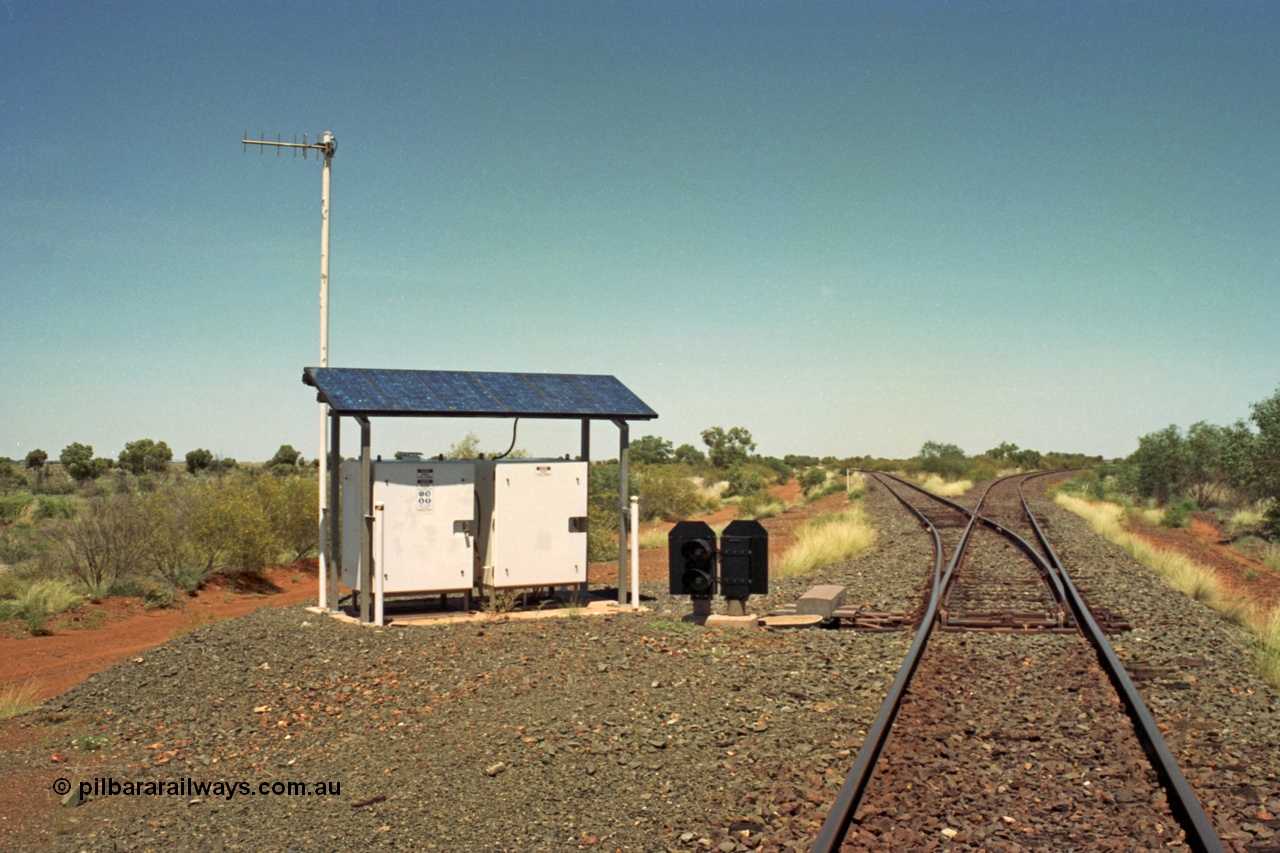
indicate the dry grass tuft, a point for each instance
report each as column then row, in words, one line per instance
column 1181, row 573
column 828, row 539
column 18, row 699
column 1152, row 516
column 1187, row 576
column 656, row 538
column 944, row 488
column 1267, row 627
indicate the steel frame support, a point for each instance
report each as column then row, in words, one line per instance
column 334, row 514
column 366, row 527
column 624, row 507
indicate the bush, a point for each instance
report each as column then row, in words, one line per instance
column 18, row 544
column 157, row 595
column 12, row 506
column 166, row 516
column 668, row 493
column 760, row 505
column 743, row 482
column 49, row 506
column 230, row 527
column 1176, row 515
column 777, row 466
column 602, row 534
column 602, row 509
column 103, row 544
column 292, row 505
column 813, row 478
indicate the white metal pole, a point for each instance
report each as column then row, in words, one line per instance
column 379, row 576
column 635, row 552
column 323, row 468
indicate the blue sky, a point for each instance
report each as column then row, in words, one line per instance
column 850, row 227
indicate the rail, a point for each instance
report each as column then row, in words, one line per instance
column 1199, row 832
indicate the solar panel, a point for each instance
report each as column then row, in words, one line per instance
column 404, row 389
column 457, row 393
column 565, row 392
column 515, row 392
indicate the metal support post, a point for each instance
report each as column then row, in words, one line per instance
column 366, row 525
column 624, row 478
column 334, row 512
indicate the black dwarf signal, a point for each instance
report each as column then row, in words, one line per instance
column 739, row 566
column 692, row 552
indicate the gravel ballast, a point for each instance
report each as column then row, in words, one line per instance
column 626, row 732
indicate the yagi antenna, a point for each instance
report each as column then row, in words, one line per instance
column 325, row 144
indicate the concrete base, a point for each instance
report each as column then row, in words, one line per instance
column 586, row 606
column 716, row 620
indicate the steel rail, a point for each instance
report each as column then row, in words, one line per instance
column 1023, row 545
column 1199, row 831
column 845, row 805
column 1195, row 823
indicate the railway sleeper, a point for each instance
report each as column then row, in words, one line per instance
column 1005, row 621
column 862, row 619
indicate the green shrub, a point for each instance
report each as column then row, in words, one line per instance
column 18, row 544
column 12, row 506
column 777, row 466
column 667, row 492
column 49, row 506
column 743, row 481
column 813, row 478
column 292, row 505
column 1176, row 515
column 602, row 534
column 230, row 527
column 103, row 544
column 157, row 595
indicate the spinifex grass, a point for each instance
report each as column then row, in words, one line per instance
column 655, row 538
column 945, row 488
column 1187, row 576
column 39, row 602
column 827, row 539
column 1268, row 646
column 18, row 699
column 761, row 507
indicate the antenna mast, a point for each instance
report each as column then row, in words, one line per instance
column 324, row 146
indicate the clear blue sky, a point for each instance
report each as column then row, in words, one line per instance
column 850, row 227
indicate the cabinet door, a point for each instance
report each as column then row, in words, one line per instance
column 538, row 531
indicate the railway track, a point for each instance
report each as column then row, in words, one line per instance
column 1011, row 724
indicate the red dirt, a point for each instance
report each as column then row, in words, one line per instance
column 101, row 635
column 1203, row 542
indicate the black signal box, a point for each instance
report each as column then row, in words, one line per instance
column 744, row 559
column 691, row 551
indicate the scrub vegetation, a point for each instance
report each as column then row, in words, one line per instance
column 1229, row 475
column 90, row 528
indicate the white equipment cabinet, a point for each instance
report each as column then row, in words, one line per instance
column 533, row 529
column 423, row 536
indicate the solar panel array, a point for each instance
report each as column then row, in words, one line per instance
column 460, row 393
